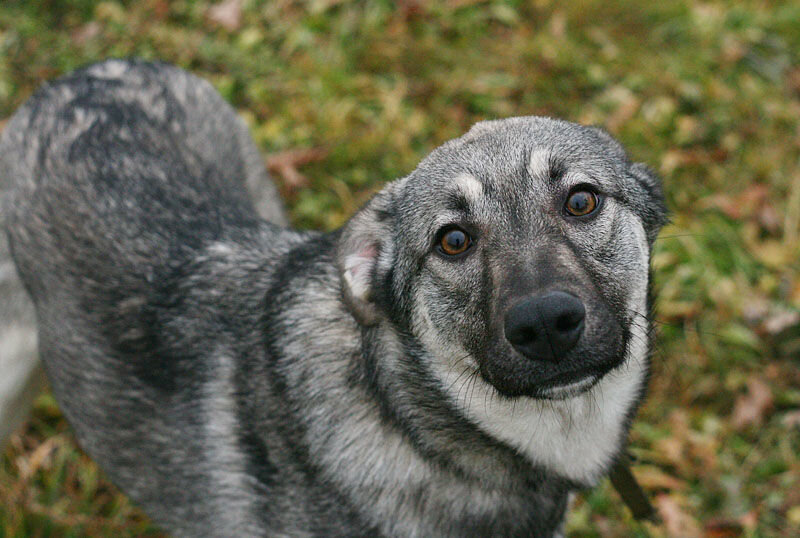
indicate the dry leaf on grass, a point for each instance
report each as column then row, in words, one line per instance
column 793, row 80
column 780, row 321
column 286, row 164
column 722, row 528
column 769, row 219
column 672, row 450
column 677, row 522
column 651, row 478
column 791, row 419
column 227, row 14
column 741, row 206
column 755, row 310
column 86, row 33
column 749, row 520
column 751, row 408
column 30, row 463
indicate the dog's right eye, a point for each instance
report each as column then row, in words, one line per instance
column 454, row 241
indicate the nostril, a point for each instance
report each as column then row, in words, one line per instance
column 528, row 334
column 521, row 335
column 568, row 322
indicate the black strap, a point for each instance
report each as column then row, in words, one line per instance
column 631, row 492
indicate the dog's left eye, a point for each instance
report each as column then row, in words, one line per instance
column 581, row 203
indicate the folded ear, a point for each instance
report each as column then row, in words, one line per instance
column 364, row 254
column 655, row 211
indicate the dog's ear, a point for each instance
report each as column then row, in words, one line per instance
column 480, row 128
column 365, row 247
column 655, row 210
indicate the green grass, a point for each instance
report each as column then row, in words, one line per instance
column 708, row 93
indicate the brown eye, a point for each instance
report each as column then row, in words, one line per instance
column 581, row 203
column 455, row 241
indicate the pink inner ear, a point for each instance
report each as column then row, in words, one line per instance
column 357, row 268
column 366, row 257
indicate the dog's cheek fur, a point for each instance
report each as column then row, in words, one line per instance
column 616, row 258
column 451, row 299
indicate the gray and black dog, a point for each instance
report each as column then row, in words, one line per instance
column 470, row 347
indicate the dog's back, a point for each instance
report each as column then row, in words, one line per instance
column 126, row 175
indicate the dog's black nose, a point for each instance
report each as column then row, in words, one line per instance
column 546, row 326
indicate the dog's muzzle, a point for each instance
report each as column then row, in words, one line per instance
column 546, row 326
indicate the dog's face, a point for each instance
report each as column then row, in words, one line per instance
column 518, row 257
column 519, row 249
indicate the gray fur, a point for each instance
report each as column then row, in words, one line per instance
column 238, row 378
column 22, row 374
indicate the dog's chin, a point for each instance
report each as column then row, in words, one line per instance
column 559, row 387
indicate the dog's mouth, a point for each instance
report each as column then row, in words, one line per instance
column 568, row 384
column 515, row 373
column 559, row 386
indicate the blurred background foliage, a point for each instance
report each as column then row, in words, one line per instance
column 343, row 96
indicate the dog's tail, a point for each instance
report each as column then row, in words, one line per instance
column 112, row 172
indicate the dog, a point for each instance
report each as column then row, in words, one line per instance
column 469, row 348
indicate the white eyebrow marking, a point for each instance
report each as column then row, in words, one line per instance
column 470, row 187
column 539, row 163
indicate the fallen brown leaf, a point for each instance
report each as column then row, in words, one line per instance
column 558, row 24
column 722, row 528
column 772, row 253
column 744, row 205
column 672, row 451
column 791, row 419
column 38, row 458
column 755, row 309
column 703, row 449
column 677, row 521
column 749, row 520
column 793, row 80
column 769, row 219
column 623, row 113
column 410, row 9
column 227, row 14
column 652, row 478
column 86, row 32
column 751, row 408
column 160, row 8
column 780, row 321
column 286, row 164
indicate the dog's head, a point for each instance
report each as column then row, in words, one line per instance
column 520, row 249
column 517, row 259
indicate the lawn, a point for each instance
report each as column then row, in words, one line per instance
column 707, row 93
